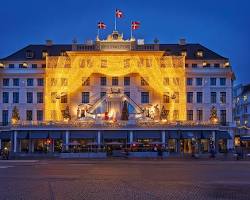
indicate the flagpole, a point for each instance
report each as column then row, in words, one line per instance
column 115, row 21
column 98, row 31
column 131, row 33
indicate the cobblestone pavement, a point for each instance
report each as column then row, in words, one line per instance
column 124, row 179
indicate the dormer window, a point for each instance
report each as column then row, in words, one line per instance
column 199, row 53
column 1, row 65
column 227, row 64
column 44, row 54
column 29, row 54
column 184, row 53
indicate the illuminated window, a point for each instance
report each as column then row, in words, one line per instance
column 53, row 81
column 115, row 80
column 143, row 82
column 184, row 53
column 63, row 53
column 176, row 97
column 176, row 81
column 166, row 81
column 162, row 63
column 44, row 54
column 126, row 63
column 90, row 63
column 148, row 62
column 199, row 53
column 245, row 97
column 85, row 81
column 82, row 63
column 223, row 97
column 53, row 97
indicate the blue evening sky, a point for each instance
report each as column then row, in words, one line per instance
column 221, row 25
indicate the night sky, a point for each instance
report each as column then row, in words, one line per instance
column 221, row 25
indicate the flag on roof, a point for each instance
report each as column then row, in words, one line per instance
column 135, row 25
column 101, row 25
column 118, row 13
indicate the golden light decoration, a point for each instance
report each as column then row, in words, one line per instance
column 78, row 66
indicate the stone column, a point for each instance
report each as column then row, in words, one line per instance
column 67, row 140
column 131, row 137
column 99, row 139
column 163, row 138
column 15, row 142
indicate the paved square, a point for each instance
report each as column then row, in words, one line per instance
column 124, row 179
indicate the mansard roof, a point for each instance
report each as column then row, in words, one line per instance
column 171, row 49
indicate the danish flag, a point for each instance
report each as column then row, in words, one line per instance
column 118, row 13
column 101, row 25
column 135, row 25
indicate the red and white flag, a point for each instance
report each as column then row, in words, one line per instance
column 135, row 25
column 101, row 25
column 118, row 13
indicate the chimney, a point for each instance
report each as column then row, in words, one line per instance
column 49, row 43
column 182, row 41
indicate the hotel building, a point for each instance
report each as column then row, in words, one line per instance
column 114, row 91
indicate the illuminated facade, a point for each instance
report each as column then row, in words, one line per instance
column 116, row 90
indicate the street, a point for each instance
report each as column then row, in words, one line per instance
column 124, row 179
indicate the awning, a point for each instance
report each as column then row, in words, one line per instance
column 39, row 134
column 115, row 134
column 206, row 134
column 23, row 135
column 223, row 135
column 5, row 135
column 172, row 135
column 55, row 134
column 83, row 134
column 147, row 134
column 245, row 138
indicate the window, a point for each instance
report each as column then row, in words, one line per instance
column 34, row 66
column 176, row 97
column 5, row 97
column 11, row 66
column 194, row 65
column 40, row 82
column 199, row 53
column 29, row 115
column 5, row 117
column 199, row 115
column 190, row 115
column 223, row 116
column 143, row 82
column 126, row 63
column 102, row 94
column 23, row 65
column 85, row 97
column 207, row 65
column 15, row 97
column 85, row 81
column 199, row 97
column 148, row 62
column 6, row 82
column 213, row 97
column 127, row 93
column 29, row 96
column 217, row 65
column 184, row 53
column 103, row 80
column 104, row 63
column 222, row 81
column 53, row 81
column 176, row 115
column 29, row 54
column 144, row 97
column 64, row 98
column 223, row 97
column 39, row 115
column 30, row 82
column 39, row 96
column 64, row 82
column 176, row 81
column 126, row 81
column 115, row 80
column 166, row 98
column 15, row 81
column 53, row 97
column 198, row 81
column 190, row 97
column 212, row 81
column 166, row 81
column 43, row 65
column 189, row 81
column 44, row 54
